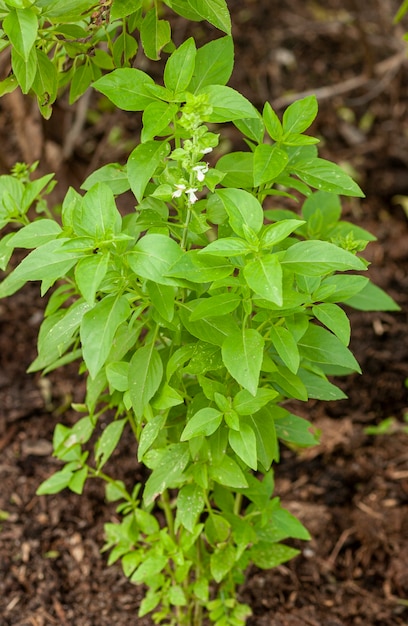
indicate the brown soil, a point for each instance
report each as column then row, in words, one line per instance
column 352, row 490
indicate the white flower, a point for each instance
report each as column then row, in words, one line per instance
column 206, row 151
column 201, row 169
column 181, row 188
column 191, row 195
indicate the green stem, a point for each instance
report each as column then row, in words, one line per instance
column 98, row 474
column 238, row 503
column 197, row 607
column 168, row 513
column 133, row 426
column 185, row 228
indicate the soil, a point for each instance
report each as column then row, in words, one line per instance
column 351, row 491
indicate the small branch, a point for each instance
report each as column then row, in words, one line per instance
column 381, row 71
column 77, row 127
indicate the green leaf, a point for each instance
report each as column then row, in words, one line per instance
column 143, row 163
column 227, row 104
column 168, row 472
column 314, row 258
column 180, row 67
column 327, row 176
column 155, row 34
column 156, row 118
column 162, row 297
column 243, row 442
column 185, row 9
column 282, row 525
column 123, row 8
column 65, row 10
column 335, row 319
column 124, row 49
column 179, row 358
column 108, row 441
column 319, row 387
column 166, row 398
column 339, row 288
column 213, row 64
column 97, row 216
column 81, row 79
column 264, row 276
column 24, row 70
column 205, row 357
column 242, row 208
column 150, row 567
column 214, row 11
column 45, row 83
column 299, row 115
column 8, row 85
column 20, row 4
column 238, row 168
column 322, row 202
column 222, row 561
column 46, row 263
column 321, row 346
column 145, row 376
column 130, row 562
column 286, row 382
column 149, row 434
column 268, row 555
column 36, row 234
column 190, row 504
column 153, row 257
column 263, row 425
column 295, row 430
column 245, row 403
column 269, row 162
column 57, row 333
column 203, row 423
column 286, row 346
column 275, row 233
column 113, row 174
column 401, row 11
column 228, row 473
column 126, row 88
column 55, row 483
column 212, row 330
column 117, row 373
column 98, row 329
column 6, row 249
column 227, row 247
column 149, row 602
column 217, row 529
column 253, row 128
column 272, row 123
column 214, row 306
column 372, row 298
column 77, row 482
column 21, row 26
column 177, row 596
column 242, row 354
column 200, row 268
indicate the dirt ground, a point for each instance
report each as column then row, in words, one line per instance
column 352, row 490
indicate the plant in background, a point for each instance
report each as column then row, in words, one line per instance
column 196, row 316
column 402, row 11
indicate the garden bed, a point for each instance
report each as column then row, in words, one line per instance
column 352, row 490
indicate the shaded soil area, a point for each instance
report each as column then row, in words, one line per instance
column 351, row 491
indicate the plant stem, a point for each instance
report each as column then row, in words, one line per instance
column 165, row 504
column 238, row 503
column 198, row 609
column 185, row 229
